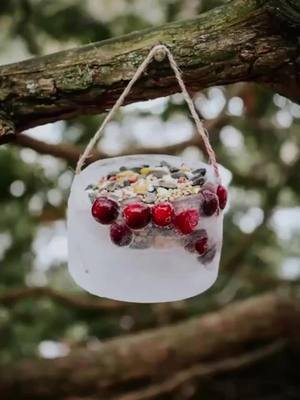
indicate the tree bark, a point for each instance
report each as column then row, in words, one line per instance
column 244, row 40
column 157, row 353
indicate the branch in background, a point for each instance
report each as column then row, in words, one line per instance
column 239, row 41
column 72, row 153
column 81, row 302
column 66, row 151
column 205, row 370
column 157, row 353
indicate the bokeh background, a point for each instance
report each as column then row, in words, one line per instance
column 254, row 131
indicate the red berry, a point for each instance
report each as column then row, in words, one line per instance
column 120, row 234
column 201, row 245
column 222, row 196
column 186, row 221
column 105, row 210
column 137, row 215
column 163, row 214
column 210, row 203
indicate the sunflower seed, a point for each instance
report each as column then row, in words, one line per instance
column 198, row 181
column 91, row 187
column 167, row 184
column 178, row 174
column 199, row 171
column 158, row 173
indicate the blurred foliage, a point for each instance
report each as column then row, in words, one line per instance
column 255, row 134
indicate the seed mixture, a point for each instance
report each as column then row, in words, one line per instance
column 141, row 206
column 149, row 184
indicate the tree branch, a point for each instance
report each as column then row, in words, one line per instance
column 238, row 41
column 156, row 353
column 81, row 302
column 70, row 152
column 204, row 370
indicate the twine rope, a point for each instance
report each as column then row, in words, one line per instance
column 158, row 53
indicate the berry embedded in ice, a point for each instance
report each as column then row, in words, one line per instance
column 186, row 221
column 199, row 237
column 210, row 203
column 163, row 214
column 222, row 196
column 105, row 210
column 137, row 215
column 208, row 256
column 201, row 245
column 198, row 243
column 120, row 234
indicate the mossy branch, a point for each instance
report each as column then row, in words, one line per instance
column 239, row 41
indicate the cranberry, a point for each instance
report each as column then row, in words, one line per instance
column 197, row 236
column 208, row 256
column 163, row 213
column 201, row 245
column 137, row 215
column 105, row 210
column 120, row 234
column 186, row 221
column 210, row 203
column 222, row 196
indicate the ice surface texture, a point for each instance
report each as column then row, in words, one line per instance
column 150, row 275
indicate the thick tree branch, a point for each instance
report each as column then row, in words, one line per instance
column 204, row 370
column 81, row 302
column 239, row 41
column 157, row 353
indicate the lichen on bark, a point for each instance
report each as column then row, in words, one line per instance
column 239, row 41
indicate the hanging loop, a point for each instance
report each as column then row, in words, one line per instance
column 158, row 53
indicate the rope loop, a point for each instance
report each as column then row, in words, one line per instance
column 158, row 53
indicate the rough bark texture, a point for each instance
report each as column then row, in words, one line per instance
column 244, row 40
column 157, row 353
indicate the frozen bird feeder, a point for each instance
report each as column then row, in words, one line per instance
column 145, row 228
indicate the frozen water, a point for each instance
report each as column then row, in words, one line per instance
column 159, row 274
